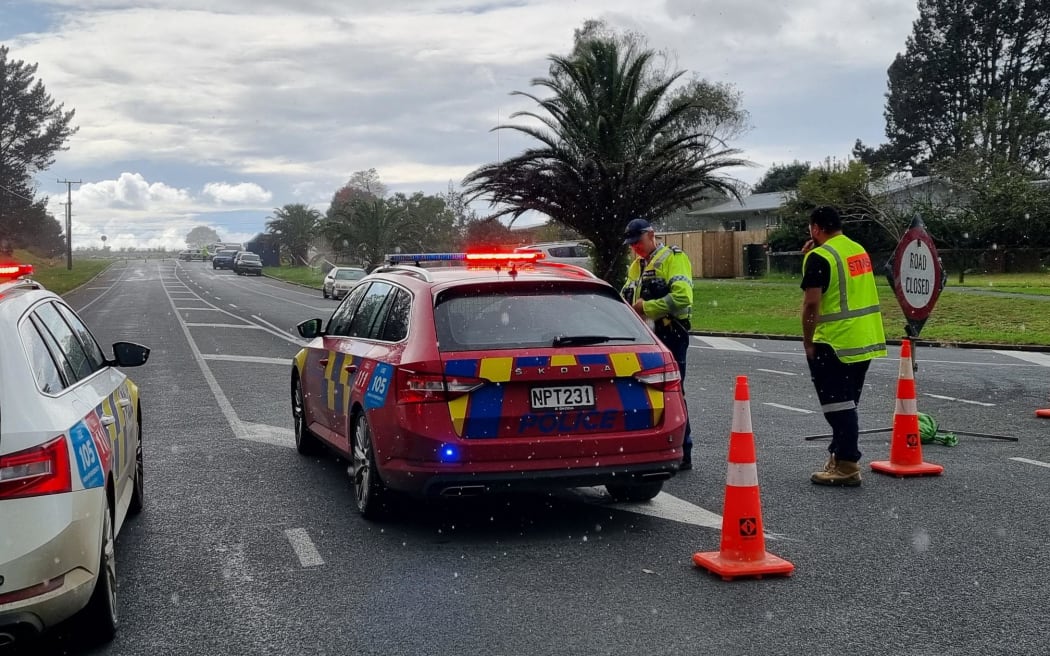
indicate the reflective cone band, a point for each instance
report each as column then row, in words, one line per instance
column 743, row 546
column 906, row 443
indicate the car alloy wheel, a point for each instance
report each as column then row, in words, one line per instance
column 305, row 442
column 368, row 488
column 99, row 617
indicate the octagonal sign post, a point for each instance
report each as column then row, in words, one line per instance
column 917, row 276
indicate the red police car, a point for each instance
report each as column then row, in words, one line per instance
column 504, row 372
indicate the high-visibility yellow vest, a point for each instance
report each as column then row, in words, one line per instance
column 849, row 321
column 672, row 265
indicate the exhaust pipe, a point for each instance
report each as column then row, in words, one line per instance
column 464, row 491
column 656, row 476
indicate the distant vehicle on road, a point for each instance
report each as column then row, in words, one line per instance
column 223, row 259
column 247, row 264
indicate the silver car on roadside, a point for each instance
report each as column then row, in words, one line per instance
column 340, row 280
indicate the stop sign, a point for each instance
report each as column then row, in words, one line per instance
column 917, row 272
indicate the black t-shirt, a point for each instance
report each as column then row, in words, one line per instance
column 817, row 273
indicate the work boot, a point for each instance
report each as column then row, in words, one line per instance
column 838, row 472
column 687, row 459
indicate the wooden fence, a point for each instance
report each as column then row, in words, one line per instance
column 715, row 254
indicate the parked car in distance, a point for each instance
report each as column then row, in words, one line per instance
column 566, row 252
column 186, row 256
column 223, row 259
column 70, row 465
column 247, row 264
column 340, row 280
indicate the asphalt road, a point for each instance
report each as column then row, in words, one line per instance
column 245, row 547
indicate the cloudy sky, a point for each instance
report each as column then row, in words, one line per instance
column 215, row 112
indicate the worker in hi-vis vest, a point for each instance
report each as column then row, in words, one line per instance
column 660, row 288
column 841, row 333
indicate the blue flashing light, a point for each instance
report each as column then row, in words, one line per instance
column 448, row 453
column 395, row 258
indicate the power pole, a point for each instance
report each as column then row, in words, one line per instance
column 69, row 221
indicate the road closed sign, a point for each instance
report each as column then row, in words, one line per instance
column 917, row 273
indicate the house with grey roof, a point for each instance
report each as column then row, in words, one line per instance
column 762, row 211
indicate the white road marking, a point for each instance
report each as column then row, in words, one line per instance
column 196, row 309
column 725, row 344
column 304, row 547
column 952, row 398
column 664, row 506
column 248, row 358
column 267, row 434
column 1032, row 462
column 1041, row 359
column 248, row 326
column 108, row 289
column 232, row 305
column 277, row 328
column 782, row 373
column 788, row 407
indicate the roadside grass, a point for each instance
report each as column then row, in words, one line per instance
column 301, row 275
column 52, row 272
column 755, row 306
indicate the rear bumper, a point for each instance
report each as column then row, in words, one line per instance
column 471, row 484
column 59, row 536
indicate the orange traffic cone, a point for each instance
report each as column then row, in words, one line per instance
column 743, row 548
column 906, row 445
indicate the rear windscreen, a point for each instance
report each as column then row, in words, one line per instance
column 514, row 319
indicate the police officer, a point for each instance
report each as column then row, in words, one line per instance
column 660, row 288
column 841, row 333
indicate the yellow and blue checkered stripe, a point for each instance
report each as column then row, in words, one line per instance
column 478, row 414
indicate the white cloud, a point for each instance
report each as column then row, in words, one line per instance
column 244, row 193
column 297, row 96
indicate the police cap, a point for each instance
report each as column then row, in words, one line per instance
column 634, row 231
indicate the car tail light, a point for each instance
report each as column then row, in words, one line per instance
column 417, row 387
column 37, row 471
column 666, row 378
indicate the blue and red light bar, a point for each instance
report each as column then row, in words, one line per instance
column 473, row 259
column 12, row 271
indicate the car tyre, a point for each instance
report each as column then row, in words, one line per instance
column 306, row 443
column 99, row 618
column 138, row 490
column 324, row 293
column 634, row 492
column 369, row 491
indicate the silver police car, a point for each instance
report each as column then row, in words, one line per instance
column 70, row 463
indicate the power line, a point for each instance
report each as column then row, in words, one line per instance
column 15, row 193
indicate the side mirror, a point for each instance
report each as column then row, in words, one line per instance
column 128, row 354
column 310, row 328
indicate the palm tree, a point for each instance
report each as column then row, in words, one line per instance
column 617, row 146
column 372, row 228
column 294, row 226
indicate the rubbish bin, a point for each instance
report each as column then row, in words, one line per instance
column 754, row 260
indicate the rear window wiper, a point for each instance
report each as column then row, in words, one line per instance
column 578, row 340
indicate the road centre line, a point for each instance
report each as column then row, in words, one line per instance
column 256, row 359
column 254, row 290
column 246, row 326
column 952, row 398
column 788, row 407
column 304, row 547
column 215, row 308
column 774, row 371
column 1032, row 462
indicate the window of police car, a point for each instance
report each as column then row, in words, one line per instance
column 377, row 311
column 48, row 378
column 526, row 316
